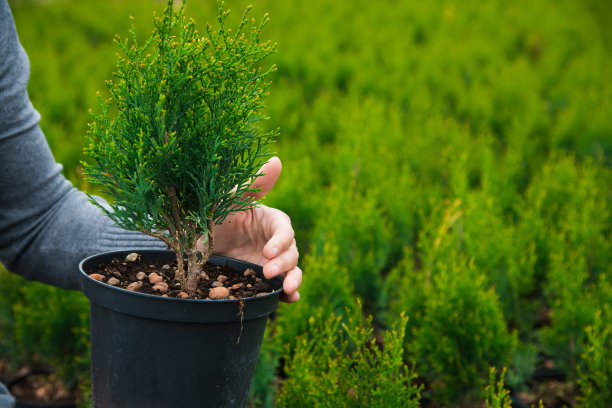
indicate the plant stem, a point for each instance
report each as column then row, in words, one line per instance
column 193, row 273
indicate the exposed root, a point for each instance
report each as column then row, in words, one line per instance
column 241, row 314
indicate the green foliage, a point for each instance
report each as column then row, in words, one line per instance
column 595, row 379
column 53, row 323
column 45, row 326
column 406, row 291
column 417, row 138
column 177, row 144
column 344, row 367
column 497, row 396
column 462, row 333
column 523, row 366
column 10, row 287
column 367, row 253
column 575, row 247
column 329, row 290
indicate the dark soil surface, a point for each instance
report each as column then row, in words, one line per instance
column 216, row 282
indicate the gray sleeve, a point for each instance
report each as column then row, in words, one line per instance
column 6, row 401
column 46, row 226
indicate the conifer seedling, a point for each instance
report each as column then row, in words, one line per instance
column 177, row 144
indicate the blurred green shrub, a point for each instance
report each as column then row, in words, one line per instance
column 344, row 367
column 461, row 335
column 595, row 378
column 328, row 289
column 44, row 326
column 10, row 296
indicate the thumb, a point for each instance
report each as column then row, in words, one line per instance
column 270, row 173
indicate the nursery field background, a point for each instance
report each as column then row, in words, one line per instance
column 447, row 168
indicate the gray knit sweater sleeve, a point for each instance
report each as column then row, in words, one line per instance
column 46, row 226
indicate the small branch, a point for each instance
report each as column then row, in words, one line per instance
column 158, row 236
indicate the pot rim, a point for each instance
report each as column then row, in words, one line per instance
column 169, row 308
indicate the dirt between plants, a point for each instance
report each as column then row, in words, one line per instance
column 215, row 283
column 38, row 386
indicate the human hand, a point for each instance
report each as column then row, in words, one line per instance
column 264, row 236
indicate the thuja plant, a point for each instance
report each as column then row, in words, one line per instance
column 177, row 143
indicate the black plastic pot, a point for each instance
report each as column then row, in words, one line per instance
column 148, row 351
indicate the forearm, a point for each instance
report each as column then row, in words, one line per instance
column 46, row 226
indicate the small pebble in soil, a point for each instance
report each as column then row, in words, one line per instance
column 203, row 275
column 97, row 277
column 131, row 257
column 155, row 278
column 249, row 285
column 250, row 272
column 134, row 286
column 219, row 293
column 221, row 278
column 216, row 284
column 166, row 267
column 182, row 295
column 140, row 275
column 113, row 281
column 161, row 287
column 236, row 286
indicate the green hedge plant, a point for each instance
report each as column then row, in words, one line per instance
column 462, row 334
column 340, row 365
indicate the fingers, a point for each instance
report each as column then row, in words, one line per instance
column 280, row 250
column 278, row 228
column 270, row 174
column 282, row 253
column 292, row 282
column 286, row 261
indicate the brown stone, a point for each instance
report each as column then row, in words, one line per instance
column 134, row 286
column 113, row 281
column 97, row 277
column 155, row 278
column 219, row 293
column 161, row 287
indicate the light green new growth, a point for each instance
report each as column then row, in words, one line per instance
column 177, row 144
column 497, row 395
